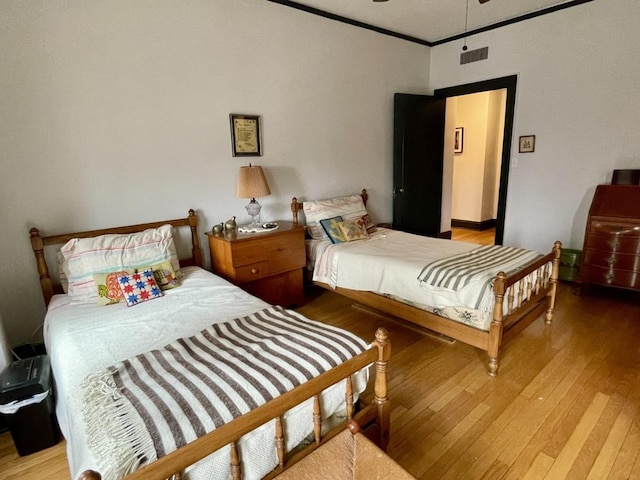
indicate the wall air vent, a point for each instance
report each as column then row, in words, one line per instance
column 474, row 55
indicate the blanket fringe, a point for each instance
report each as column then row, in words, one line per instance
column 128, row 442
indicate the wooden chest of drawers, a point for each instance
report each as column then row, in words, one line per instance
column 268, row 265
column 611, row 254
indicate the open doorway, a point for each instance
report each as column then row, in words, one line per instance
column 507, row 85
column 475, row 126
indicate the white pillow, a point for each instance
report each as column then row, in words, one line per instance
column 84, row 257
column 349, row 208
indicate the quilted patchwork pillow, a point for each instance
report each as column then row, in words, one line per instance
column 353, row 230
column 139, row 287
column 108, row 287
column 349, row 208
column 332, row 228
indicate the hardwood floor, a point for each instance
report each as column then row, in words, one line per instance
column 483, row 237
column 565, row 405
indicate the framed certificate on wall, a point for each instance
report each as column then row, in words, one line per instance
column 245, row 135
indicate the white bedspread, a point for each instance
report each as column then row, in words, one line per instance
column 389, row 262
column 84, row 339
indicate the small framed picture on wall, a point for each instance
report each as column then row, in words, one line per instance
column 245, row 135
column 458, row 140
column 527, row 144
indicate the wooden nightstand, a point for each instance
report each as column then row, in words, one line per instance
column 268, row 264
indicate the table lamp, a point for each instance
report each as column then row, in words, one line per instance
column 251, row 184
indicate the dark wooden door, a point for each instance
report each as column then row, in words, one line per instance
column 418, row 163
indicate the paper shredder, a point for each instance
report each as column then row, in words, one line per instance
column 26, row 401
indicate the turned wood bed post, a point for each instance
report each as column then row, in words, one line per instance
column 90, row 475
column 495, row 329
column 295, row 207
column 555, row 268
column 196, row 251
column 45, row 279
column 380, row 388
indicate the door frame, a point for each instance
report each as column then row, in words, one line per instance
column 509, row 83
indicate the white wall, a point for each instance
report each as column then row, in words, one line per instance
column 117, row 112
column 468, row 166
column 493, row 156
column 578, row 92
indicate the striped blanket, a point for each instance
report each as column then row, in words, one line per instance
column 479, row 265
column 147, row 406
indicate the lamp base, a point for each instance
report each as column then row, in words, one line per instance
column 253, row 209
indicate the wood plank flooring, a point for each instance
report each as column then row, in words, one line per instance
column 565, row 405
column 484, row 237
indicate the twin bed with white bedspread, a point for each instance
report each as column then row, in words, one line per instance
column 199, row 379
column 86, row 339
column 472, row 293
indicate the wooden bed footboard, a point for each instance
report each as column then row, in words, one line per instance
column 528, row 292
column 374, row 417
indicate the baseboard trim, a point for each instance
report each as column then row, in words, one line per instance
column 483, row 225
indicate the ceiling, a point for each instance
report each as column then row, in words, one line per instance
column 429, row 21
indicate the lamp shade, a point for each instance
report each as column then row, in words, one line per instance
column 252, row 183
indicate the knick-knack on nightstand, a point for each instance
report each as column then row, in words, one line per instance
column 230, row 225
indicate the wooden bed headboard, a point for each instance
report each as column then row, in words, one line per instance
column 38, row 243
column 296, row 206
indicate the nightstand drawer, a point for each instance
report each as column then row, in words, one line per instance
column 276, row 251
column 251, row 272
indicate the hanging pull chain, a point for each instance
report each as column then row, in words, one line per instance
column 466, row 18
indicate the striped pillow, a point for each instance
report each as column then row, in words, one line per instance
column 85, row 257
column 349, row 208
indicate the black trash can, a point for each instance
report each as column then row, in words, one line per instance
column 26, row 402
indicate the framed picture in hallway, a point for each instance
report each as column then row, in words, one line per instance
column 458, row 140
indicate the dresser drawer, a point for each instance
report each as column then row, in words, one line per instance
column 611, row 259
column 613, row 243
column 615, row 228
column 609, row 276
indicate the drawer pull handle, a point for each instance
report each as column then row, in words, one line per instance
column 255, row 270
column 615, row 243
column 609, row 276
column 612, row 260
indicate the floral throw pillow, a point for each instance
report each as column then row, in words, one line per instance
column 139, row 287
column 108, row 287
column 353, row 230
